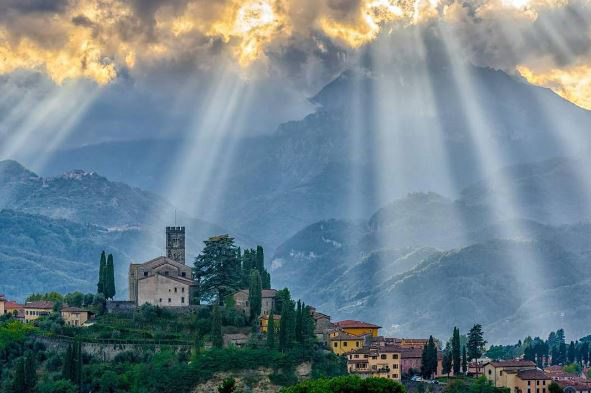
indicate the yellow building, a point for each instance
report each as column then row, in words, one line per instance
column 341, row 342
column 74, row 316
column 498, row 372
column 376, row 362
column 264, row 323
column 2, row 303
column 34, row 310
column 357, row 327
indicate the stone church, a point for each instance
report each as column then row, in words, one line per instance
column 164, row 281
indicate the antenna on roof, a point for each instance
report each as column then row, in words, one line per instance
column 175, row 217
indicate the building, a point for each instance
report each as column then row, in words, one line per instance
column 264, row 323
column 9, row 307
column 376, row 362
column 2, row 302
column 411, row 360
column 341, row 342
column 525, row 381
column 357, row 327
column 267, row 301
column 34, row 310
column 163, row 281
column 237, row 340
column 74, row 316
column 496, row 372
column 322, row 325
column 475, row 369
column 578, row 386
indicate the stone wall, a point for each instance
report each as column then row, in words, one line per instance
column 108, row 351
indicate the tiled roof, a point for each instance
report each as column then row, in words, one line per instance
column 513, row 363
column 346, row 336
column 269, row 292
column 13, row 306
column 349, row 323
column 532, row 374
column 45, row 305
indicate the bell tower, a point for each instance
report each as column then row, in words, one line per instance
column 175, row 244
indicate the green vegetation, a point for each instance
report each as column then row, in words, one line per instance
column 347, row 384
column 480, row 385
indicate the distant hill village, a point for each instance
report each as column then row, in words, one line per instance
column 168, row 282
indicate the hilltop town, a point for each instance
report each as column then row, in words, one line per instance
column 223, row 308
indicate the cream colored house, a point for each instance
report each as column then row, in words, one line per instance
column 34, row 310
column 376, row 362
column 497, row 372
column 2, row 303
column 341, row 342
column 74, row 316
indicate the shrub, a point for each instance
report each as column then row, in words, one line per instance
column 347, row 384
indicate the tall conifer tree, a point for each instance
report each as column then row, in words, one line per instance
column 271, row 331
column 109, row 283
column 456, row 351
column 255, row 296
column 100, row 287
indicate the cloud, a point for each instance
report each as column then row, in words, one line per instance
column 305, row 41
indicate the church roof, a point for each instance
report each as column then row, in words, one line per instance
column 162, row 260
column 182, row 280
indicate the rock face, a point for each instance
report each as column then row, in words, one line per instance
column 251, row 381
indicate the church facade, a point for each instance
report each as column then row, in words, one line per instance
column 164, row 281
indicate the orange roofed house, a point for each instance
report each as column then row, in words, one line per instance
column 376, row 362
column 34, row 310
column 358, row 328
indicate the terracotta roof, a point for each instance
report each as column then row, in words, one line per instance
column 513, row 363
column 45, row 305
column 13, row 306
column 349, row 323
column 269, row 292
column 346, row 336
column 319, row 315
column 408, row 353
column 532, row 374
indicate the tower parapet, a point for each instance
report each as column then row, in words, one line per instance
column 175, row 244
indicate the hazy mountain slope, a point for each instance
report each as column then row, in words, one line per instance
column 52, row 230
column 309, row 169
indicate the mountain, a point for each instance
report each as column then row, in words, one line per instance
column 374, row 137
column 434, row 263
column 53, row 229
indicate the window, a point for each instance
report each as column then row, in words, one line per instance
column 335, row 344
column 489, row 372
column 184, row 274
column 166, row 273
column 183, row 299
column 168, row 300
column 528, row 383
column 160, row 300
column 394, row 366
column 344, row 343
column 183, row 290
column 366, row 356
column 175, row 290
column 395, row 375
column 395, row 356
column 145, row 274
column 357, row 343
column 383, row 356
column 543, row 382
column 356, row 356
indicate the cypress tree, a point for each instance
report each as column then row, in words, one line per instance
column 287, row 324
column 464, row 360
column 217, row 339
column 110, row 278
column 429, row 359
column 260, row 259
column 271, row 331
column 100, row 287
column 255, row 296
column 266, row 278
column 456, row 351
column 476, row 342
column 299, row 334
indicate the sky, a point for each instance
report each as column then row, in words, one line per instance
column 78, row 72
